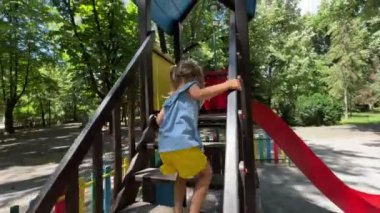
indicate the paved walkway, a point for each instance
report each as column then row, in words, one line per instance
column 352, row 152
column 27, row 160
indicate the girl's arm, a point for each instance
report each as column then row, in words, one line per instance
column 208, row 92
column 160, row 117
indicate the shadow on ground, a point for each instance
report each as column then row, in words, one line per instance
column 375, row 128
column 342, row 161
column 39, row 151
column 42, row 146
column 37, row 146
column 373, row 144
column 279, row 194
column 286, row 189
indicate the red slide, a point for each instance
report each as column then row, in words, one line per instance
column 346, row 198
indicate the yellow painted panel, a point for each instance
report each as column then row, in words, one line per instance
column 161, row 79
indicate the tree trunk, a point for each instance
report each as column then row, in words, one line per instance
column 345, row 103
column 49, row 121
column 9, row 107
column 75, row 116
column 270, row 95
column 43, row 116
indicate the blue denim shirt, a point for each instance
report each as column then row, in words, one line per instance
column 179, row 127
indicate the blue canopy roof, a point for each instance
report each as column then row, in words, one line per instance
column 167, row 12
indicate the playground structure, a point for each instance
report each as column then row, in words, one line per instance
column 238, row 167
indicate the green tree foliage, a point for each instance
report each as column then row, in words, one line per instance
column 205, row 35
column 24, row 48
column 284, row 56
column 59, row 58
column 318, row 109
column 348, row 24
column 96, row 36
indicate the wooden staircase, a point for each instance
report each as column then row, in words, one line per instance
column 64, row 181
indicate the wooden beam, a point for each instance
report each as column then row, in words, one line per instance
column 229, row 3
column 72, row 192
column 162, row 39
column 149, row 82
column 177, row 42
column 131, row 127
column 146, row 84
column 242, row 48
column 116, row 134
column 97, row 170
column 128, row 193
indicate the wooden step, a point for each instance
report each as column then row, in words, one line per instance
column 212, row 117
column 144, row 207
column 212, row 120
column 214, row 144
column 212, row 203
column 154, row 175
column 211, row 124
column 205, row 144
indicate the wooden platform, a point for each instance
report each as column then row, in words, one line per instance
column 143, row 207
column 154, row 175
column 212, row 120
column 213, row 117
column 212, row 204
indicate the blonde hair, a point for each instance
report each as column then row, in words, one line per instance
column 186, row 71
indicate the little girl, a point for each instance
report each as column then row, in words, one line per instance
column 179, row 141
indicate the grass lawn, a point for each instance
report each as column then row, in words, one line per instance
column 363, row 118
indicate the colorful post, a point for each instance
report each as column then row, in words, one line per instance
column 125, row 166
column 261, row 148
column 60, row 206
column 92, row 194
column 282, row 156
column 82, row 186
column 107, row 190
column 256, row 145
column 269, row 148
column 275, row 152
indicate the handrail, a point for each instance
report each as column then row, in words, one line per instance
column 231, row 181
column 56, row 184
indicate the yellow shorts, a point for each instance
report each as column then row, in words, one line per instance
column 187, row 163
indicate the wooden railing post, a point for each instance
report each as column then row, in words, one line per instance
column 131, row 123
column 72, row 192
column 243, row 68
column 97, row 163
column 117, row 148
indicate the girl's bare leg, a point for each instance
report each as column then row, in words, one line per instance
column 201, row 189
column 179, row 194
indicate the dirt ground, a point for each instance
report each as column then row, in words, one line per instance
column 352, row 152
column 30, row 156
